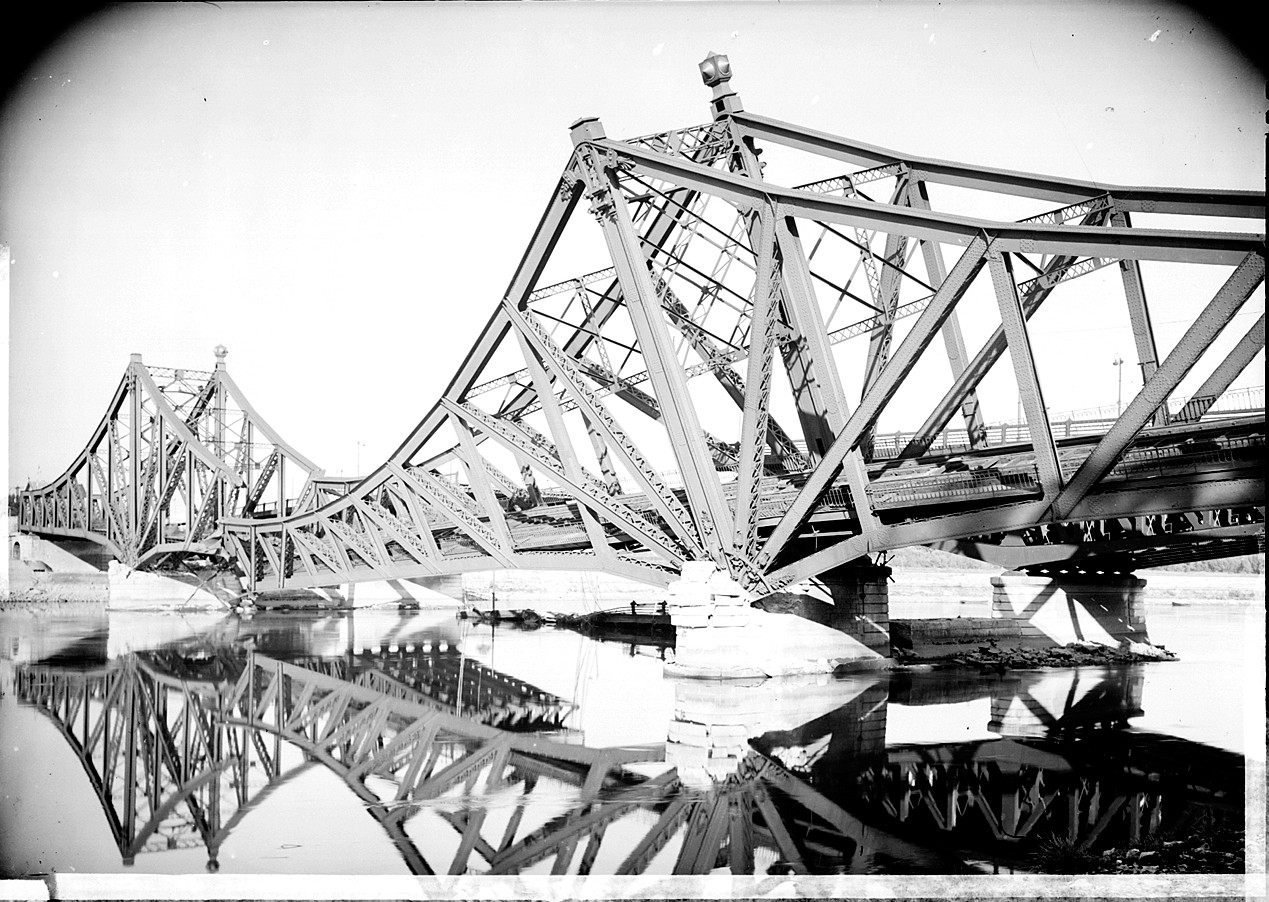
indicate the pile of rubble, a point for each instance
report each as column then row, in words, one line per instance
column 1074, row 654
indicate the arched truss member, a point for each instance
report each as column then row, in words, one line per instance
column 176, row 451
column 705, row 390
column 180, row 745
column 572, row 436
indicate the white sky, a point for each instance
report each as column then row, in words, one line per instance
column 340, row 193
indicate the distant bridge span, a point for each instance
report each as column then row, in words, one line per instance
column 634, row 417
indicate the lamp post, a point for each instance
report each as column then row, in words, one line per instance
column 1118, row 364
column 358, row 470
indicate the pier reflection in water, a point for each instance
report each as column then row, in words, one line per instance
column 466, row 768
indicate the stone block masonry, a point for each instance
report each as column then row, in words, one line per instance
column 861, row 601
column 1060, row 609
column 719, row 635
column 946, row 636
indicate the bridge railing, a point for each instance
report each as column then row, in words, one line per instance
column 1250, row 399
column 971, row 485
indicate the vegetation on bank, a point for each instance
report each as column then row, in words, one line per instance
column 1210, row 845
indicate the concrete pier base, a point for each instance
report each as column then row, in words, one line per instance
column 795, row 719
column 137, row 590
column 718, row 635
column 1057, row 610
column 861, row 600
column 1037, row 704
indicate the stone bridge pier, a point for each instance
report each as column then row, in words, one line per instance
column 1057, row 609
column 800, row 720
column 722, row 632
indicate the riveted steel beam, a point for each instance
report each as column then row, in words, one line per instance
column 1193, row 201
column 586, row 489
column 1036, row 292
column 1013, row 322
column 649, row 479
column 479, row 481
column 757, row 388
column 1196, row 340
column 953, row 338
column 1138, row 244
column 710, row 512
column 892, row 376
column 1219, row 381
column 434, row 491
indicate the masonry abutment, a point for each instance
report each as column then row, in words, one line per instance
column 721, row 632
column 861, row 603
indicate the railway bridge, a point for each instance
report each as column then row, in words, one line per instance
column 783, row 378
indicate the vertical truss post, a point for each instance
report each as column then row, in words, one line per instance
column 953, row 338
column 281, row 477
column 1154, row 394
column 704, row 492
column 822, row 402
column 757, row 396
column 891, row 377
column 879, row 338
column 976, row 370
column 1013, row 322
column 1138, row 313
column 219, row 490
column 136, row 412
column 160, row 480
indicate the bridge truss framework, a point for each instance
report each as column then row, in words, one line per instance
column 573, row 435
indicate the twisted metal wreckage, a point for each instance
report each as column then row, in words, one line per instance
column 572, row 436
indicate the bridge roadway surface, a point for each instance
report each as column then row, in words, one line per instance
column 1163, row 462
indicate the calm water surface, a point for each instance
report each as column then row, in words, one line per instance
column 400, row 742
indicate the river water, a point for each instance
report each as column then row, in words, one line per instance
column 396, row 742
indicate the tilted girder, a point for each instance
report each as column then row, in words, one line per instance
column 576, row 433
column 586, row 386
column 176, row 451
column 179, row 747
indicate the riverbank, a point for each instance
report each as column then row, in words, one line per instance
column 994, row 658
column 1208, row 848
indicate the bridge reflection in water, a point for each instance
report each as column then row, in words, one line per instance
column 469, row 770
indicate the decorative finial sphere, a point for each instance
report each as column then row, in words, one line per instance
column 221, row 351
column 715, row 69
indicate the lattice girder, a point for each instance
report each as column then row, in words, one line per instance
column 587, row 385
column 176, row 451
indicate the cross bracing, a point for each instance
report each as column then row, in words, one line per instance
column 181, row 744
column 746, row 368
column 176, row 451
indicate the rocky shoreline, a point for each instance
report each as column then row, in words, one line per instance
column 992, row 657
column 1209, row 849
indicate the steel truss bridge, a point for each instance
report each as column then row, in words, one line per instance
column 713, row 389
column 176, row 452
column 180, row 748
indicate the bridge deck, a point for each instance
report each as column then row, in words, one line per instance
column 910, row 489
